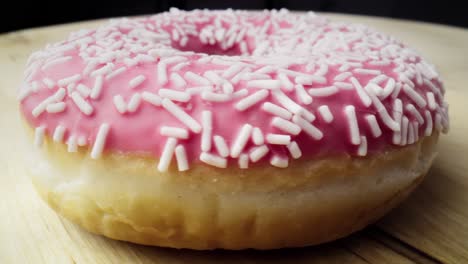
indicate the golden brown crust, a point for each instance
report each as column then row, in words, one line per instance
column 312, row 201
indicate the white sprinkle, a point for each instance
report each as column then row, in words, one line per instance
column 70, row 88
column 344, row 67
column 342, row 76
column 366, row 71
column 431, row 100
column 258, row 153
column 39, row 136
column 374, row 88
column 343, row 85
column 55, row 62
column 35, row 86
column 325, row 113
column 81, row 103
column 143, row 58
column 279, row 162
column 257, row 136
column 361, row 93
column 207, row 125
column 128, row 62
column 251, row 100
column 286, row 126
column 292, row 106
column 162, row 73
column 198, row 89
column 97, row 87
column 240, row 93
column 244, row 161
column 213, row 160
column 378, row 79
column 323, row 91
column 181, row 157
column 428, row 130
column 177, row 80
column 243, row 47
column 389, row 88
column 264, row 84
column 261, row 48
column 151, row 98
column 56, row 107
column 59, row 132
column 83, row 90
column 294, row 150
column 135, row 82
column 166, row 155
column 119, row 104
column 100, row 140
column 68, row 80
column 232, row 70
column 413, row 95
column 276, row 110
column 89, row 67
column 175, row 35
column 386, row 119
column 42, row 106
column 115, row 73
column 174, row 60
column 179, row 66
column 49, row 83
column 181, row 115
column 72, row 145
column 81, row 141
column 397, row 110
column 215, row 97
column 278, row 139
column 380, row 63
column 322, row 70
column 438, row 122
column 241, row 140
column 373, row 125
column 310, row 129
column 24, row 92
column 174, row 95
column 196, row 79
column 303, row 95
column 228, row 88
column 285, row 82
column 240, row 75
column 410, row 108
column 103, row 70
column 175, row 132
column 396, row 91
column 362, row 150
column 310, row 79
column 134, row 103
column 213, row 77
column 183, row 41
column 352, row 124
column 221, row 146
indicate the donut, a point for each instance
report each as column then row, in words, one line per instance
column 229, row 129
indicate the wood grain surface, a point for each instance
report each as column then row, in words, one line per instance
column 430, row 227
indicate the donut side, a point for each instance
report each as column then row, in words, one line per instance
column 312, row 201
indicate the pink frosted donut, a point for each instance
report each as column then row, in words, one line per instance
column 183, row 103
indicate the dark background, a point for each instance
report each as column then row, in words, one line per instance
column 18, row 14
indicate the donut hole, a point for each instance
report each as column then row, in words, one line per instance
column 215, row 48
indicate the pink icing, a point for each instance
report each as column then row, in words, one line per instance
column 296, row 45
